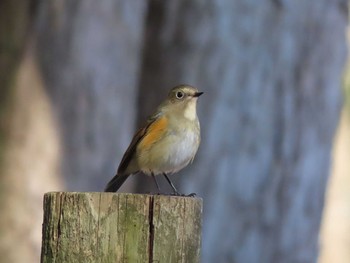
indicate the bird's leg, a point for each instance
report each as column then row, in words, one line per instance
column 155, row 180
column 171, row 184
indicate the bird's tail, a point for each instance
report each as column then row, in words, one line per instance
column 116, row 182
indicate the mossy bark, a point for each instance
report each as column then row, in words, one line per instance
column 105, row 227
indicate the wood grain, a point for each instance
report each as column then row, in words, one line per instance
column 108, row 227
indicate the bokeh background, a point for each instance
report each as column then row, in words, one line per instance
column 77, row 77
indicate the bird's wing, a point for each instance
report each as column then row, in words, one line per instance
column 146, row 135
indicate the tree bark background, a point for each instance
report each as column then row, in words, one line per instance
column 89, row 54
column 70, row 107
column 271, row 73
column 27, row 162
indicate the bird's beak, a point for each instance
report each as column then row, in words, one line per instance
column 197, row 94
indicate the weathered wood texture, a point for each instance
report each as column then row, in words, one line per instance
column 106, row 227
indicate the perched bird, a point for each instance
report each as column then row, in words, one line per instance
column 167, row 143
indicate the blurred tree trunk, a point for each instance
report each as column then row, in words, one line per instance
column 14, row 18
column 90, row 54
column 28, row 148
column 271, row 73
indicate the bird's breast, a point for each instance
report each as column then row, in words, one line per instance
column 172, row 152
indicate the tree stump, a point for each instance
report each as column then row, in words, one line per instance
column 110, row 227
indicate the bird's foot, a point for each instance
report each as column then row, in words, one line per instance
column 184, row 195
column 175, row 194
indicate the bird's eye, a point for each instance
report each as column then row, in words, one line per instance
column 179, row 94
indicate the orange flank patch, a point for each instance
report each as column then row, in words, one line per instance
column 154, row 132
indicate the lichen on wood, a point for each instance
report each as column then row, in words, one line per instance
column 108, row 227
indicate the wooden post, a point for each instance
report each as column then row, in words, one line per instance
column 109, row 227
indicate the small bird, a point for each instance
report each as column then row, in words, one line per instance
column 167, row 143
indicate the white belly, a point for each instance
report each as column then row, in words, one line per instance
column 170, row 154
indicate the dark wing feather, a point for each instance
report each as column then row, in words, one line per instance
column 129, row 153
column 117, row 181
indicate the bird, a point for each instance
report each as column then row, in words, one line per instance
column 168, row 141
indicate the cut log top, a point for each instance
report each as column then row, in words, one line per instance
column 113, row 227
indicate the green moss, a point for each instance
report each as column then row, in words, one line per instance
column 134, row 238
